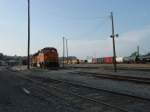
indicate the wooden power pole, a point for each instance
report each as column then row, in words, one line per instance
column 113, row 40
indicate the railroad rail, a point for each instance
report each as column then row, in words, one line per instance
column 117, row 77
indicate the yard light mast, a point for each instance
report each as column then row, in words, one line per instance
column 67, row 49
column 28, row 63
column 63, row 58
column 113, row 40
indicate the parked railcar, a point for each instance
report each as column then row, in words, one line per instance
column 89, row 61
column 100, row 60
column 47, row 57
column 108, row 60
column 130, row 60
column 144, row 59
column 119, row 59
column 94, row 61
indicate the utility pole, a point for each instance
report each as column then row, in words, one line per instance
column 67, row 49
column 63, row 51
column 138, row 50
column 28, row 34
column 113, row 40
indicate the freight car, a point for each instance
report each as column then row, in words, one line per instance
column 144, row 58
column 119, row 60
column 108, row 60
column 104, row 60
column 94, row 60
column 131, row 59
column 100, row 60
column 45, row 58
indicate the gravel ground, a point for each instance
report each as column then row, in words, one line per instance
column 136, row 70
column 141, row 90
column 144, row 74
column 20, row 95
column 110, row 66
column 130, row 104
column 14, row 99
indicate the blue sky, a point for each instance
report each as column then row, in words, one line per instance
column 85, row 23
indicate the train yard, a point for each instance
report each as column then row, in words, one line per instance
column 117, row 77
column 109, row 67
column 70, row 59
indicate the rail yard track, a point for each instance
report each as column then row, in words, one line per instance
column 133, row 79
column 111, row 68
column 81, row 96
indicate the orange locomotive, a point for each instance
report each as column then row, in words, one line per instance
column 47, row 57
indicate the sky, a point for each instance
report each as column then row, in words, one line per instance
column 85, row 23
